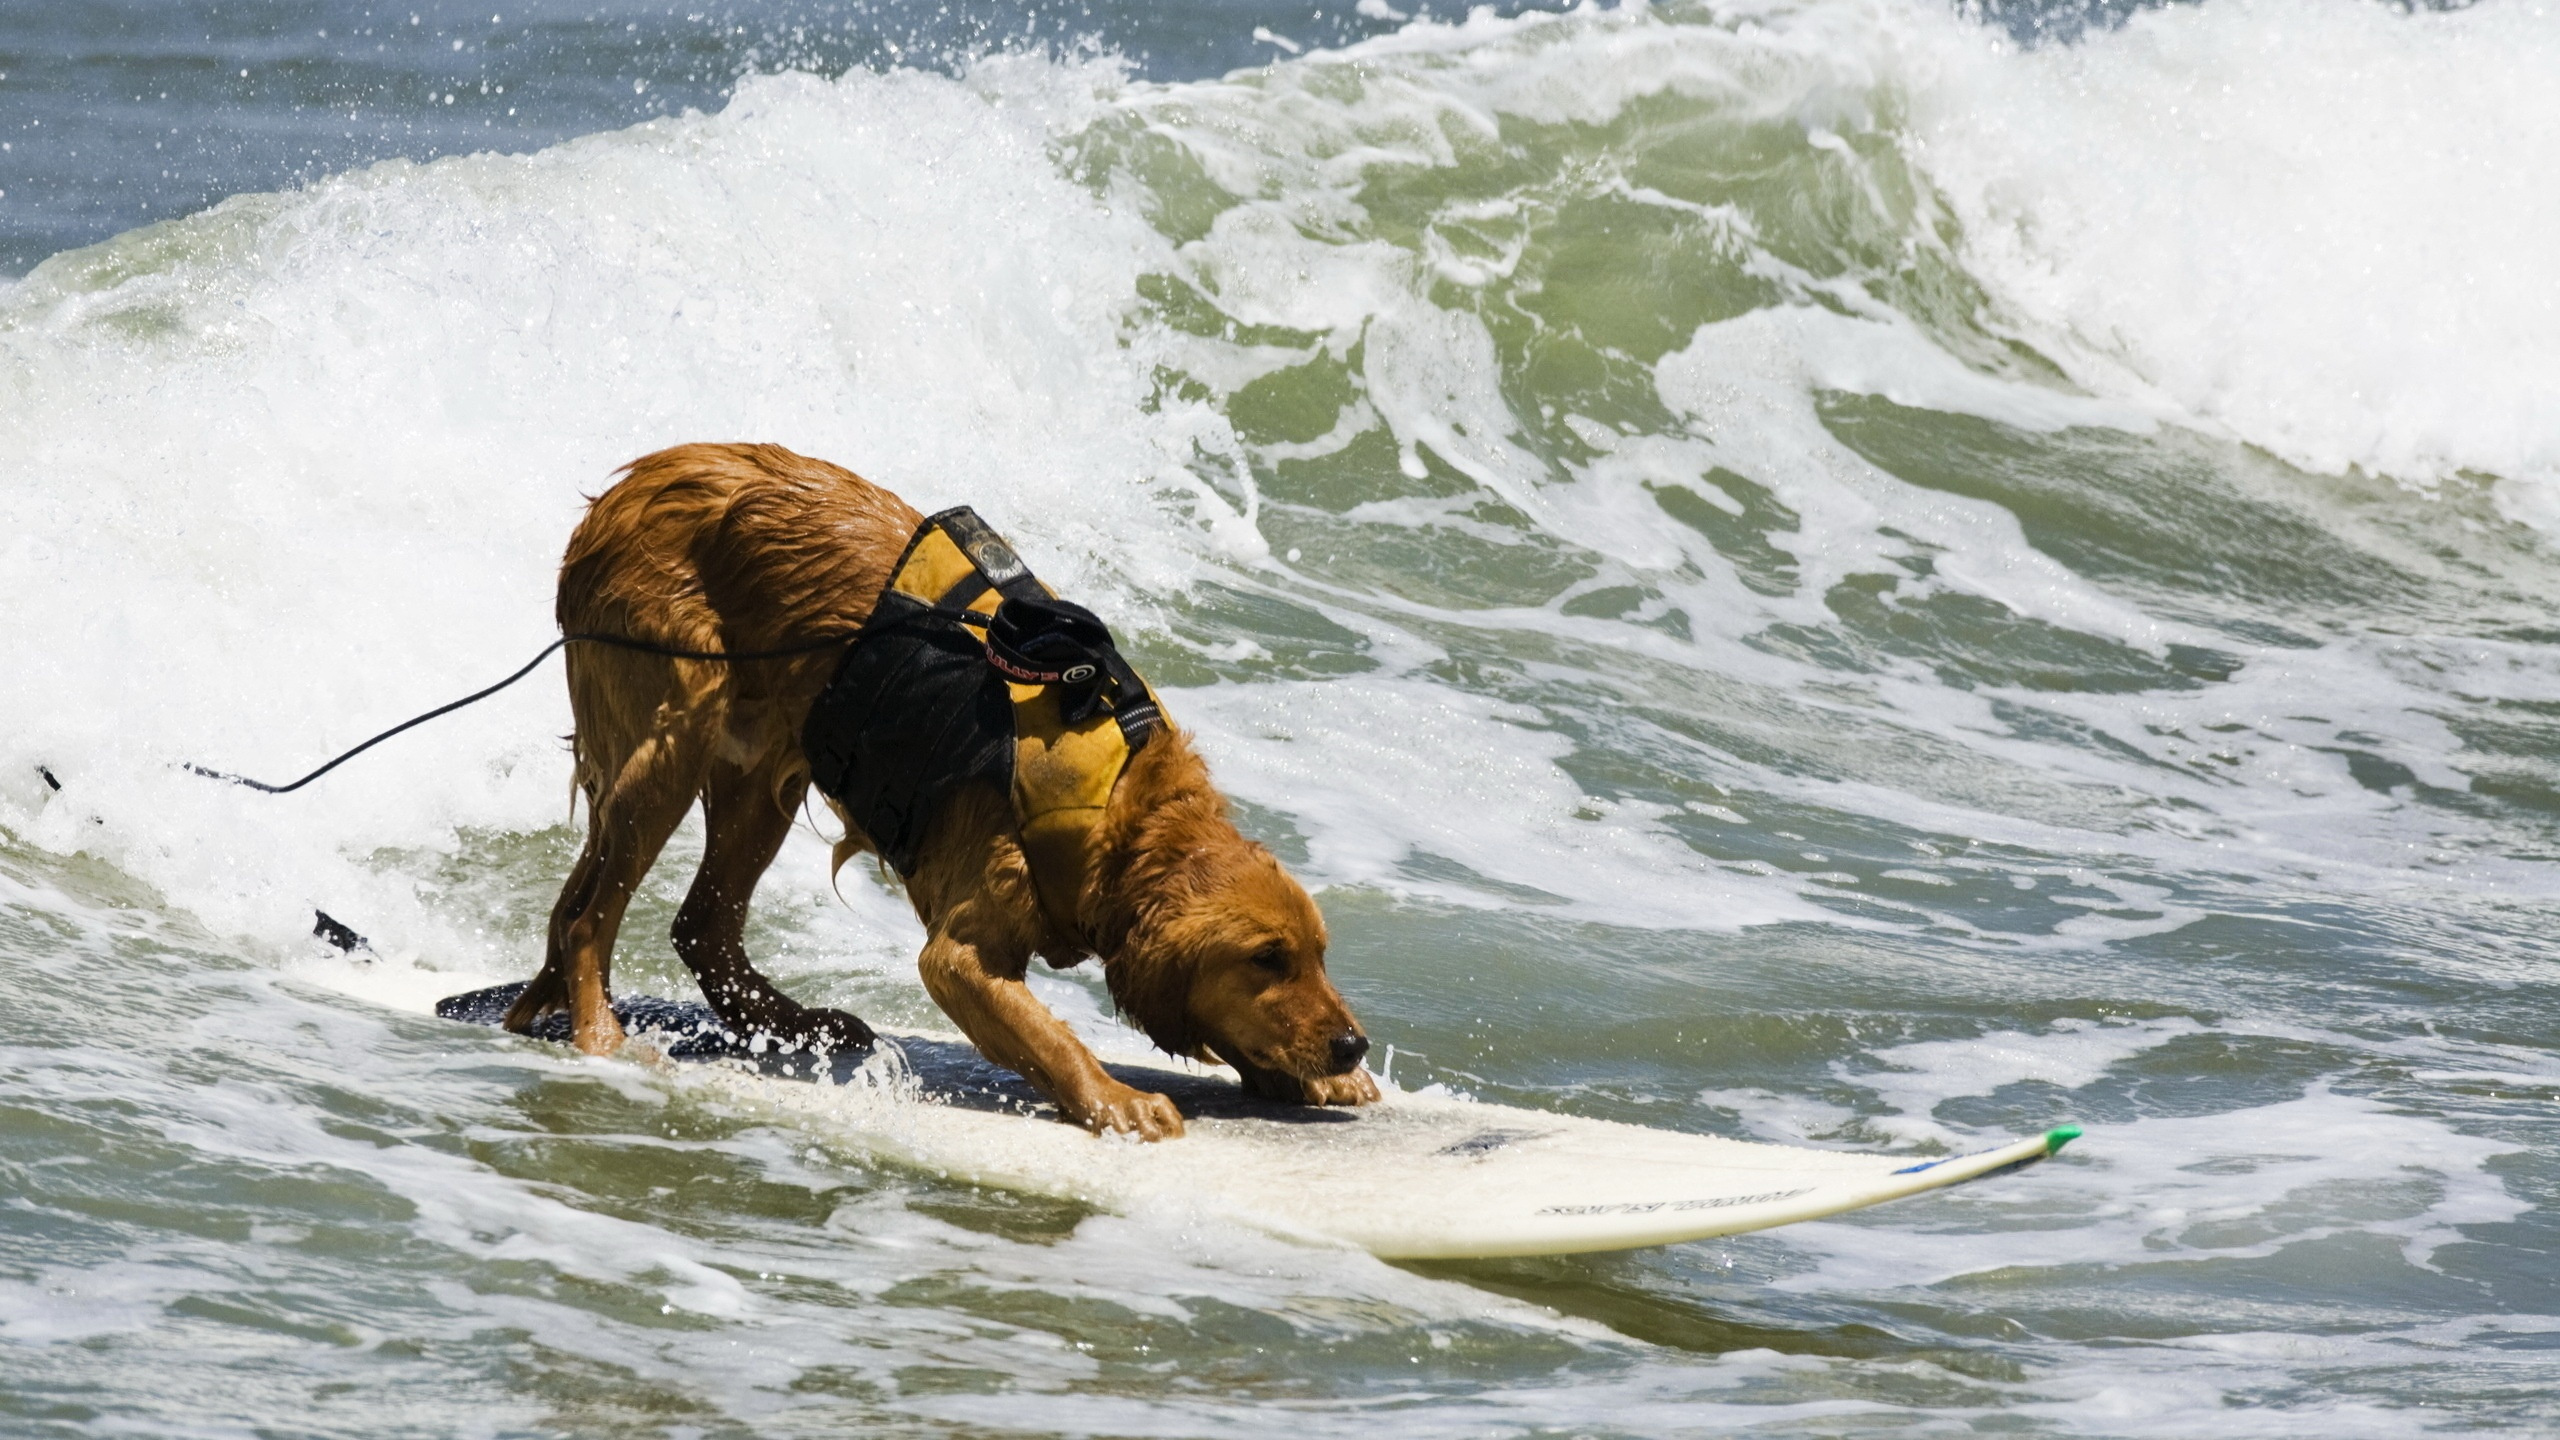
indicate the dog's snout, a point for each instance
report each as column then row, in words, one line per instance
column 1348, row 1047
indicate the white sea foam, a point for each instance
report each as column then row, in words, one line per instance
column 2245, row 1183
column 65, row 1304
column 1397, row 782
column 2291, row 221
column 1919, row 1077
column 1299, row 142
column 2308, row 223
column 1750, row 382
column 2241, row 1185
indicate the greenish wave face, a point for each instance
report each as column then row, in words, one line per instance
column 1793, row 571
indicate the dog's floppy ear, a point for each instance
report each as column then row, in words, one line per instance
column 1150, row 977
column 1165, row 835
column 1163, row 819
column 1179, row 890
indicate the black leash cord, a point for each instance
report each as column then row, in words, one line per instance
column 617, row 641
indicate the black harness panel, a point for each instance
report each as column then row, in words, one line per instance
column 913, row 714
column 917, row 709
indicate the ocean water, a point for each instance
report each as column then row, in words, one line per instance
column 1838, row 571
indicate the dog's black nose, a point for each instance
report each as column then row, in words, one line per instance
column 1348, row 1047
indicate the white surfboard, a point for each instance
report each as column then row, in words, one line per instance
column 1416, row 1176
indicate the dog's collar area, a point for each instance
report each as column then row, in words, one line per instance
column 971, row 669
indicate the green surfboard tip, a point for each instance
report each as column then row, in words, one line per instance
column 2059, row 1136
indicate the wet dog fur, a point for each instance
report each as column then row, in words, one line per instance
column 1207, row 944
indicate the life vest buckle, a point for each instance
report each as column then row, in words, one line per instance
column 1042, row 640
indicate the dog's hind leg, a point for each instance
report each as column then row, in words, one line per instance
column 745, row 818
column 549, row 989
column 633, row 818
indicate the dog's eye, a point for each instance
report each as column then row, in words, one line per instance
column 1274, row 958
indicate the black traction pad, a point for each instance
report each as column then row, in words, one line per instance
column 685, row 1029
column 947, row 1072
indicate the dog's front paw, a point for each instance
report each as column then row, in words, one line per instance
column 1129, row 1111
column 1351, row 1087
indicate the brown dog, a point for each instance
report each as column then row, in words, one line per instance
column 1207, row 944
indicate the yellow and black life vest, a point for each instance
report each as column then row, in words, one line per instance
column 971, row 669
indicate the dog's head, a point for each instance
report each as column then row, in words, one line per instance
column 1235, row 969
column 1223, row 953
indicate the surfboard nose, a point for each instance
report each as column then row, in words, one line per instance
column 1348, row 1047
